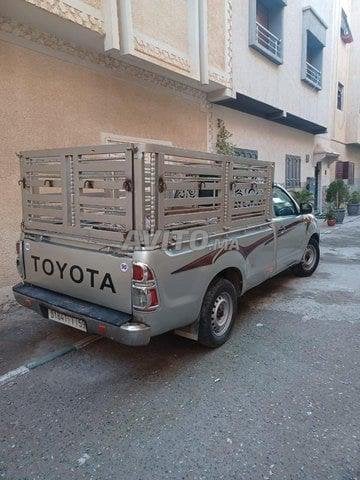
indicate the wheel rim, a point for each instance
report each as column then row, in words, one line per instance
column 309, row 258
column 221, row 314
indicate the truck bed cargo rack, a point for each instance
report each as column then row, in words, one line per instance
column 104, row 192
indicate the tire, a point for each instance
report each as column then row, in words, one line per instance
column 217, row 314
column 310, row 260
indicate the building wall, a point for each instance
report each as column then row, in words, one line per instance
column 343, row 125
column 280, row 85
column 187, row 39
column 163, row 35
column 353, row 94
column 272, row 141
column 47, row 102
column 341, row 59
column 86, row 13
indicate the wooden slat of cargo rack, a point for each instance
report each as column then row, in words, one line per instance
column 106, row 185
column 238, row 211
column 35, row 182
column 43, row 168
column 208, row 170
column 187, row 185
column 183, row 217
column 43, row 197
column 93, row 217
column 191, row 202
column 247, row 198
column 103, row 201
column 241, row 179
column 247, row 184
column 45, row 226
column 102, row 166
column 46, row 212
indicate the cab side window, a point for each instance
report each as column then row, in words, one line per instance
column 283, row 205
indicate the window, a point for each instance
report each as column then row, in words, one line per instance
column 292, row 171
column 345, row 32
column 313, row 60
column 283, row 204
column 345, row 171
column 340, row 96
column 314, row 38
column 266, row 28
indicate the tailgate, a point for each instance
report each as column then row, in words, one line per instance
column 97, row 277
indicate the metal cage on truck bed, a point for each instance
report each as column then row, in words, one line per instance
column 103, row 192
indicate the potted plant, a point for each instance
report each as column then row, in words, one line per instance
column 303, row 196
column 330, row 216
column 353, row 206
column 337, row 194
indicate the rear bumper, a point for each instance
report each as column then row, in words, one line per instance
column 105, row 321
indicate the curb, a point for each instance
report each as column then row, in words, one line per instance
column 26, row 368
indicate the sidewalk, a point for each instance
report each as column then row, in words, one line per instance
column 325, row 229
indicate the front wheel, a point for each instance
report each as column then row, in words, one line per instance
column 309, row 261
column 217, row 313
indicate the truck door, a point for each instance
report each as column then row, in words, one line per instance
column 290, row 230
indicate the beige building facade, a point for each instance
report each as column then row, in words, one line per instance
column 78, row 72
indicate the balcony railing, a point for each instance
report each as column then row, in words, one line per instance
column 268, row 40
column 313, row 74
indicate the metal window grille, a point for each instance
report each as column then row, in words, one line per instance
column 246, row 153
column 268, row 40
column 313, row 74
column 293, row 171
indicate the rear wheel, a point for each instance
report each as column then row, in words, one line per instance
column 310, row 259
column 217, row 313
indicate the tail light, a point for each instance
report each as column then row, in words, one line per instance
column 144, row 290
column 142, row 273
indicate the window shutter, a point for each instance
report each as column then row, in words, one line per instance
column 339, row 170
column 348, row 172
column 351, row 173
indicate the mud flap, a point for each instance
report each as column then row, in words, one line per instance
column 191, row 331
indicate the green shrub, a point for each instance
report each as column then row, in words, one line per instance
column 303, row 196
column 223, row 143
column 337, row 193
column 354, row 198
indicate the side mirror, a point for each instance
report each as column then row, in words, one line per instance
column 306, row 208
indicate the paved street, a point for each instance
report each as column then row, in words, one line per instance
column 279, row 401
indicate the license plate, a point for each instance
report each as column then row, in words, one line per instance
column 66, row 320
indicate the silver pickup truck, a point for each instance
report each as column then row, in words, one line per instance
column 133, row 240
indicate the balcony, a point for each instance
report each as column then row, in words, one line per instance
column 268, row 40
column 313, row 75
column 313, row 44
column 266, row 19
